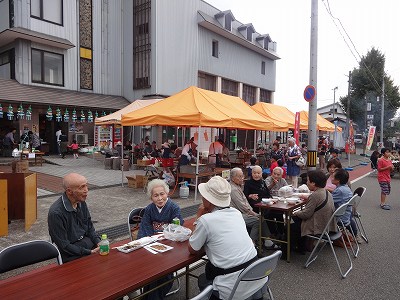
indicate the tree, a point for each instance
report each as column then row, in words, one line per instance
column 366, row 87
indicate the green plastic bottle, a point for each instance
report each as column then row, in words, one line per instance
column 104, row 245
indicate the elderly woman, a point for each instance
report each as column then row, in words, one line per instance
column 275, row 181
column 255, row 188
column 160, row 211
column 313, row 217
column 158, row 214
column 293, row 170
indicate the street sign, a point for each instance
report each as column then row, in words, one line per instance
column 309, row 93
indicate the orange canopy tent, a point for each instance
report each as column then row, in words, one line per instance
column 322, row 124
column 195, row 107
column 115, row 117
column 278, row 113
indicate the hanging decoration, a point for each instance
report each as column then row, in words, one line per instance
column 83, row 117
column 20, row 112
column 96, row 114
column 58, row 115
column 66, row 115
column 29, row 113
column 10, row 113
column 90, row 116
column 74, row 117
column 103, row 113
column 49, row 114
column 1, row 112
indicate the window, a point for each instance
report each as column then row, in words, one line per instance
column 48, row 10
column 249, row 94
column 215, row 48
column 207, row 82
column 263, row 67
column 7, row 64
column 141, row 44
column 229, row 87
column 228, row 22
column 265, row 96
column 47, row 67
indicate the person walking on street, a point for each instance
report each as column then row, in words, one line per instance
column 293, row 170
column 385, row 166
column 58, row 135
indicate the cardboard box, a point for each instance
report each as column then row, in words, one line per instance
column 135, row 181
column 143, row 163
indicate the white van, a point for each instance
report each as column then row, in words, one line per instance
column 358, row 139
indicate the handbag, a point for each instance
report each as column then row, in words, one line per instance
column 301, row 161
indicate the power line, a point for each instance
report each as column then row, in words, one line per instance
column 374, row 82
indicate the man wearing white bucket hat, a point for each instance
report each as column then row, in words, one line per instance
column 219, row 228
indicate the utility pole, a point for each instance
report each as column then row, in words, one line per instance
column 312, row 106
column 348, row 107
column 383, row 108
column 333, row 114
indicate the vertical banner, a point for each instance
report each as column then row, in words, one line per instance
column 297, row 127
column 350, row 146
column 371, row 134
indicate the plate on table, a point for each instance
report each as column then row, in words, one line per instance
column 137, row 244
column 292, row 200
column 268, row 201
column 159, row 247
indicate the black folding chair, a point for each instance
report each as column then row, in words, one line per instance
column 360, row 191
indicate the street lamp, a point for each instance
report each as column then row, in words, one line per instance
column 333, row 114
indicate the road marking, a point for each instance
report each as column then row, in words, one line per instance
column 361, row 177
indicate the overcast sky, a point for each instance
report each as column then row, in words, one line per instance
column 368, row 23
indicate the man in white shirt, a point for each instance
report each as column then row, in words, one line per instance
column 58, row 134
column 221, row 231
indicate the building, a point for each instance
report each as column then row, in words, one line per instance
column 88, row 55
column 335, row 112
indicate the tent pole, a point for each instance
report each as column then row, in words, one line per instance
column 197, row 165
column 122, row 155
column 255, row 142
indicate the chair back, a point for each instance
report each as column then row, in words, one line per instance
column 353, row 200
column 360, row 191
column 341, row 210
column 28, row 253
column 134, row 219
column 205, row 294
column 259, row 269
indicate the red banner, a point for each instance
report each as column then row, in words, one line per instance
column 297, row 127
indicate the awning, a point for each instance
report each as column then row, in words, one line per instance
column 12, row 91
column 9, row 35
column 322, row 124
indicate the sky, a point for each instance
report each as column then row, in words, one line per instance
column 368, row 23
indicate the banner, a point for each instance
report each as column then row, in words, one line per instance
column 297, row 127
column 350, row 146
column 371, row 134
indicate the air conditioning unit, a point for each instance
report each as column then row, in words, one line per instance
column 81, row 138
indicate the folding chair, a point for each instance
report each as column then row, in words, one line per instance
column 134, row 219
column 327, row 237
column 259, row 269
column 28, row 253
column 360, row 191
column 205, row 294
column 342, row 227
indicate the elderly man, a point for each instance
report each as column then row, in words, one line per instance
column 69, row 221
column 221, row 230
column 239, row 201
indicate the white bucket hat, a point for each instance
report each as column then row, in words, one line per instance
column 217, row 191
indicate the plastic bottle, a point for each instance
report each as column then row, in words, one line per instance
column 104, row 245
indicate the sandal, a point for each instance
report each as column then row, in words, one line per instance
column 273, row 247
column 386, row 207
